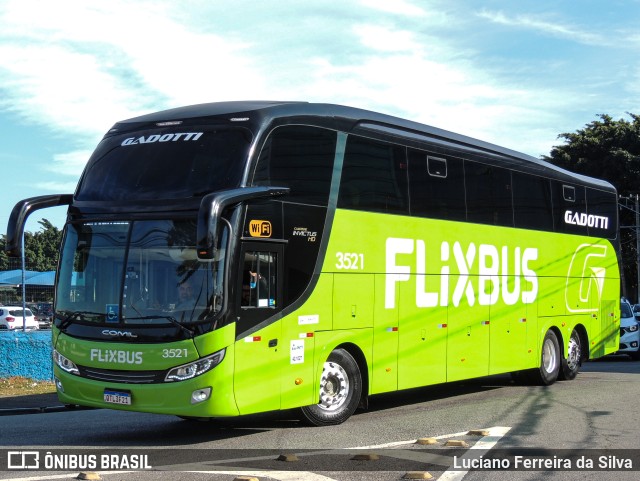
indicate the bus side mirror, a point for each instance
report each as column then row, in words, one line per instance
column 20, row 213
column 212, row 206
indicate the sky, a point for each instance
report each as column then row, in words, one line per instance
column 514, row 73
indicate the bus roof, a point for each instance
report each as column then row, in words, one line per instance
column 261, row 113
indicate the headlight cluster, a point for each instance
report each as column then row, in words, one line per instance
column 633, row 328
column 196, row 368
column 64, row 363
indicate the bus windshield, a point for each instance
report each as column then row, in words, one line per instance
column 138, row 272
column 158, row 163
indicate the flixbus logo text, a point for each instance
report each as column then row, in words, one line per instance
column 483, row 273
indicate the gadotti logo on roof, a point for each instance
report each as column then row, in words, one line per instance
column 586, row 266
column 585, row 220
column 181, row 136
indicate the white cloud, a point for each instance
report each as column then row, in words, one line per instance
column 83, row 65
column 431, row 85
column 70, row 163
column 384, row 39
column 57, row 187
column 554, row 29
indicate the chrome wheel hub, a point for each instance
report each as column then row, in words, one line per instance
column 334, row 387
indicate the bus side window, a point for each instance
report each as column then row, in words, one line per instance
column 532, row 202
column 603, row 207
column 374, row 177
column 569, row 204
column 436, row 186
column 489, row 194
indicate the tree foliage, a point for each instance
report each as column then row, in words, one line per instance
column 41, row 249
column 606, row 148
column 610, row 149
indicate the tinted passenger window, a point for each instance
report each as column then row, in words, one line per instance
column 602, row 208
column 374, row 177
column 436, row 186
column 569, row 208
column 300, row 158
column 489, row 199
column 532, row 202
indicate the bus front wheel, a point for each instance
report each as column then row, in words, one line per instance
column 340, row 391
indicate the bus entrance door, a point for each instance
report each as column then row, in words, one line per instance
column 259, row 355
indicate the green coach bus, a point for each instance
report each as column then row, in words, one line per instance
column 240, row 257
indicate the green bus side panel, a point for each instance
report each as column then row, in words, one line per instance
column 353, row 301
column 298, row 381
column 608, row 322
column 422, row 352
column 215, row 340
column 509, row 328
column 550, row 301
column 258, row 369
column 384, row 369
column 468, row 342
column 497, row 290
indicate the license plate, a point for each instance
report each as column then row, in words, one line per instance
column 117, row 397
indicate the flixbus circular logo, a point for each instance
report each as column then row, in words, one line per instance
column 585, row 278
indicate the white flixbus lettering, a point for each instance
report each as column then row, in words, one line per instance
column 503, row 273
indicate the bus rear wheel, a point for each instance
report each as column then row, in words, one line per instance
column 571, row 365
column 550, row 360
column 340, row 391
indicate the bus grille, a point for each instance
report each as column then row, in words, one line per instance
column 127, row 377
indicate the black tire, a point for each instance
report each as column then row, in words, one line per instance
column 340, row 391
column 571, row 365
column 550, row 361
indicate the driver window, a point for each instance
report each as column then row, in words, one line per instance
column 259, row 280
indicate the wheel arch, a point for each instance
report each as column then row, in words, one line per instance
column 361, row 360
column 556, row 330
column 584, row 341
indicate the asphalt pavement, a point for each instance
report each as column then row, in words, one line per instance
column 30, row 404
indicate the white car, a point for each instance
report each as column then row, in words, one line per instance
column 629, row 332
column 12, row 317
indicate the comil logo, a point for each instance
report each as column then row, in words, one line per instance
column 585, row 278
column 260, row 228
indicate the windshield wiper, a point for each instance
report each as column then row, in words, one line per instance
column 172, row 320
column 77, row 315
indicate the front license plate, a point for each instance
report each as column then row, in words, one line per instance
column 117, row 397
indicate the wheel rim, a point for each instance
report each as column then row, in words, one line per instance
column 573, row 357
column 549, row 356
column 334, row 387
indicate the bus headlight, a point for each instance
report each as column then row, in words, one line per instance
column 196, row 368
column 64, row 363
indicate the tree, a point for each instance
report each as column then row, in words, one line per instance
column 609, row 149
column 41, row 249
